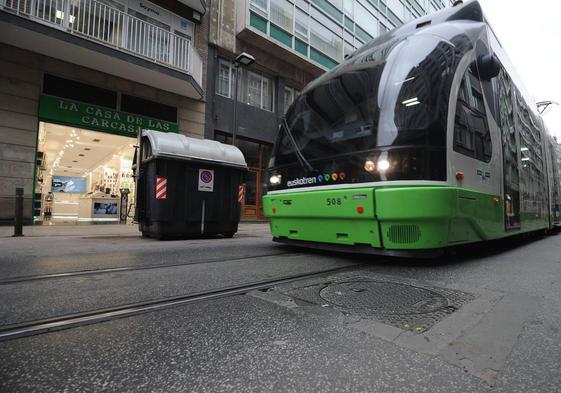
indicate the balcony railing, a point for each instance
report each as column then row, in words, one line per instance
column 112, row 27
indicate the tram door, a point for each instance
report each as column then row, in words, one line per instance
column 511, row 174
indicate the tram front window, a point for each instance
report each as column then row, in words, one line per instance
column 387, row 104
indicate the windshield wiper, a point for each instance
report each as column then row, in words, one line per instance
column 303, row 161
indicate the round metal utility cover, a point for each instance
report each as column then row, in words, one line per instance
column 383, row 297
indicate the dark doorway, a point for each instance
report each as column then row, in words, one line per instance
column 256, row 155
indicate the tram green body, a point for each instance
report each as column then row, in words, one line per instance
column 421, row 140
column 392, row 218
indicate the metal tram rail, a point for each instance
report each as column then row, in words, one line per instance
column 31, row 328
column 49, row 276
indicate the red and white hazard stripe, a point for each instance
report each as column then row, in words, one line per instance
column 241, row 193
column 161, row 188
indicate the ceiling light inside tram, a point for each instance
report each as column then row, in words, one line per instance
column 404, row 81
column 411, row 101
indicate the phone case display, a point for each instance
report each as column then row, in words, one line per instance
column 110, row 178
column 126, row 179
column 40, row 164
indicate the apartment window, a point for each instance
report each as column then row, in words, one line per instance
column 256, row 90
column 337, row 3
column 260, row 6
column 225, row 73
column 266, row 94
column 348, row 7
column 396, row 7
column 302, row 4
column 301, row 25
column 315, row 28
column 325, row 40
column 281, row 14
column 290, row 95
column 366, row 20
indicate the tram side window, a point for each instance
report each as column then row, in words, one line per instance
column 471, row 130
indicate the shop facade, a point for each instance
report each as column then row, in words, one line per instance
column 71, row 105
column 83, row 171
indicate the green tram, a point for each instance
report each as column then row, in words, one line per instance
column 421, row 140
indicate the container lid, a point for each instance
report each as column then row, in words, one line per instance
column 177, row 146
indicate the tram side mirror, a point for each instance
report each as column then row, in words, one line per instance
column 489, row 66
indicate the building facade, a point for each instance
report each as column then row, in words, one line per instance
column 293, row 42
column 78, row 79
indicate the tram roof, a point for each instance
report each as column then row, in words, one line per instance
column 467, row 11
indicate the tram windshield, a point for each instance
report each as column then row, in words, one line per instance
column 390, row 103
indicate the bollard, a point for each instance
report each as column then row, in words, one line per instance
column 18, row 218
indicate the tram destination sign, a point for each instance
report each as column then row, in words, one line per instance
column 82, row 115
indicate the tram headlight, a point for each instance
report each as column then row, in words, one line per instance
column 383, row 165
column 369, row 166
column 275, row 179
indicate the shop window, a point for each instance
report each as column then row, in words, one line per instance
column 471, row 131
column 148, row 108
column 64, row 88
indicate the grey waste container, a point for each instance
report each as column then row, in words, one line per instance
column 187, row 187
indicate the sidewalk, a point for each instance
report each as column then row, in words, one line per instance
column 116, row 230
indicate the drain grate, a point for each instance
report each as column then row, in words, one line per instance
column 400, row 304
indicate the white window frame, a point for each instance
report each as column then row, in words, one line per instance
column 230, row 76
column 263, row 12
column 261, row 77
column 293, row 94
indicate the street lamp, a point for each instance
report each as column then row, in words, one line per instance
column 543, row 106
column 244, row 59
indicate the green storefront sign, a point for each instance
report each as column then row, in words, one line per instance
column 81, row 115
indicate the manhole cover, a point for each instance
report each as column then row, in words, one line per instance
column 383, row 297
column 400, row 304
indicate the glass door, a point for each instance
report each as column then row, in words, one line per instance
column 256, row 155
column 250, row 208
